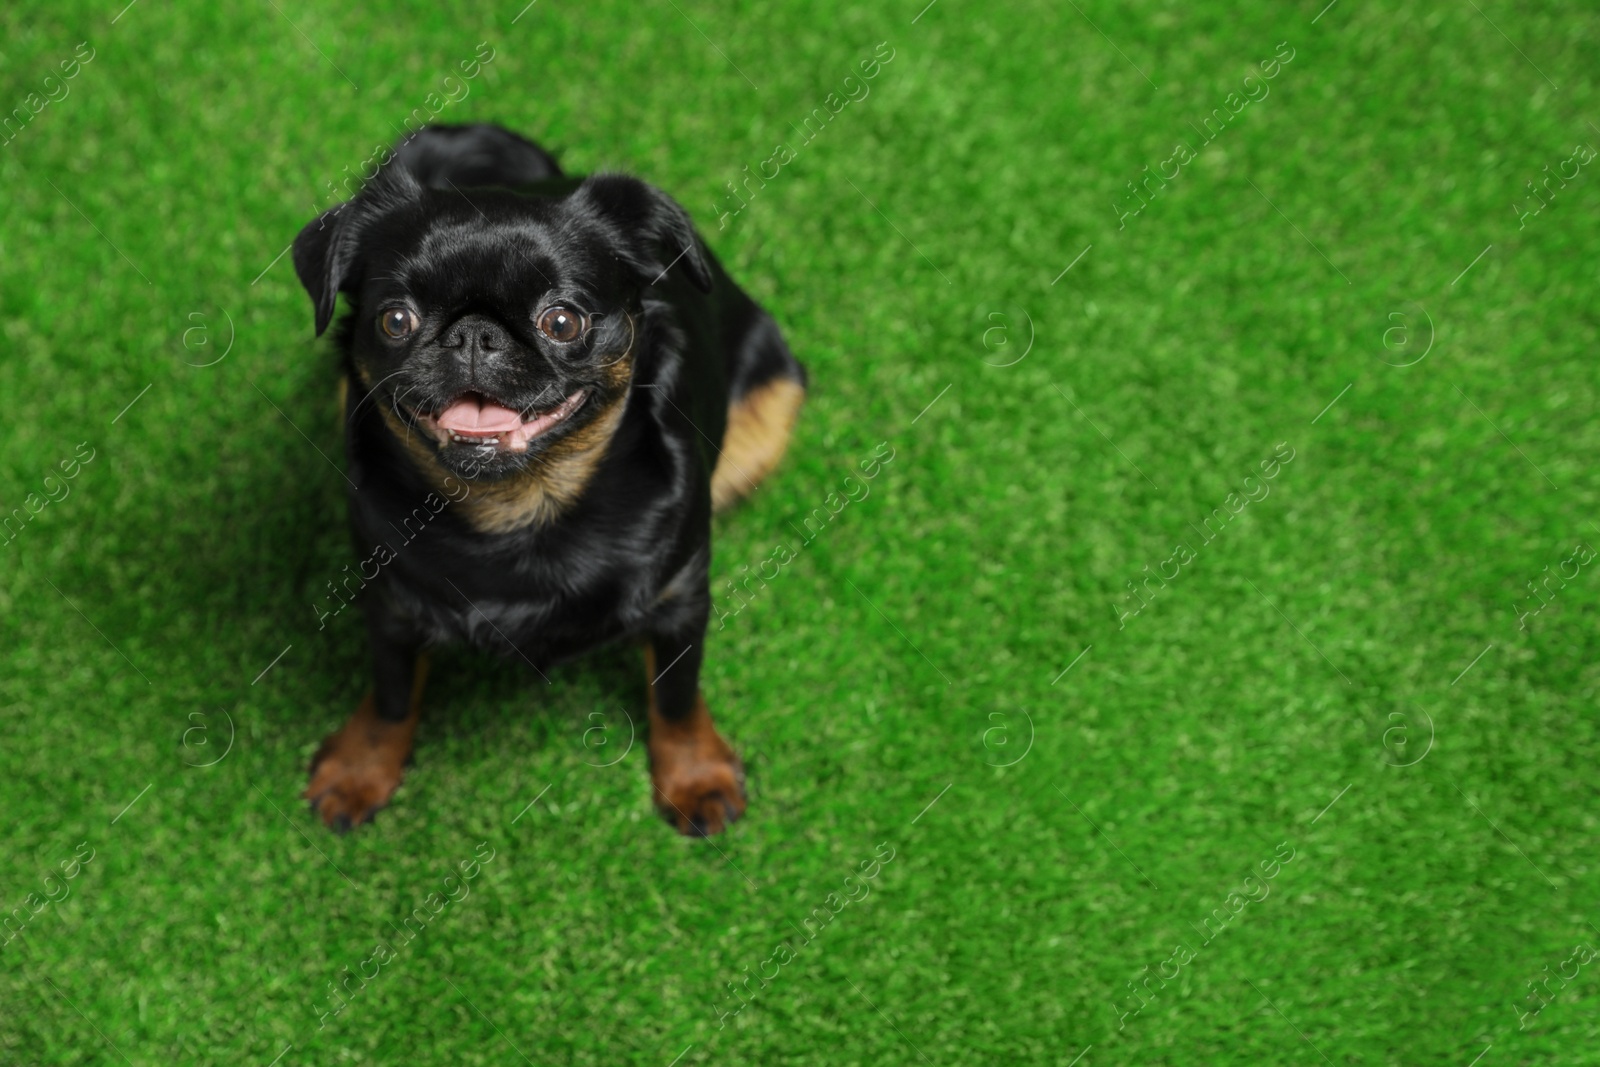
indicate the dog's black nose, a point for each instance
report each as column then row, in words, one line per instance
column 476, row 333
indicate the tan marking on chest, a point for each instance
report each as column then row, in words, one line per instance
column 551, row 482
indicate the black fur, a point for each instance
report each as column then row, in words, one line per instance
column 476, row 229
column 474, row 155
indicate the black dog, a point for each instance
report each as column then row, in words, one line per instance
column 549, row 385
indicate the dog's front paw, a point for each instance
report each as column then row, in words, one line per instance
column 357, row 769
column 697, row 781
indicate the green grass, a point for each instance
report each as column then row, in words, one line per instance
column 903, row 654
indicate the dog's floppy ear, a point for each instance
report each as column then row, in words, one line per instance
column 652, row 231
column 322, row 259
column 325, row 252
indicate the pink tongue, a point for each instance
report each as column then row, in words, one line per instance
column 469, row 416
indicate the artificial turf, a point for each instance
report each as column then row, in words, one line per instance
column 1083, row 804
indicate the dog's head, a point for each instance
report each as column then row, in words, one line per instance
column 492, row 325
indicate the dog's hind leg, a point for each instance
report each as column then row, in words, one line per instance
column 767, row 385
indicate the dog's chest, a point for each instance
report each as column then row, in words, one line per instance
column 537, row 609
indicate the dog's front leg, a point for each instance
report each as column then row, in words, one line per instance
column 696, row 779
column 359, row 767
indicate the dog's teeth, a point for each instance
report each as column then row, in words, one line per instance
column 481, row 442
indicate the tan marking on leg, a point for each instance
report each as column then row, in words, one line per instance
column 696, row 779
column 759, row 425
column 358, row 767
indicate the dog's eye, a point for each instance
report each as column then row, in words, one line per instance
column 397, row 322
column 561, row 324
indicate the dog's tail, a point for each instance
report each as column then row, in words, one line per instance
column 476, row 154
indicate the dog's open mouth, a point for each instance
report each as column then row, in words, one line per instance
column 482, row 422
